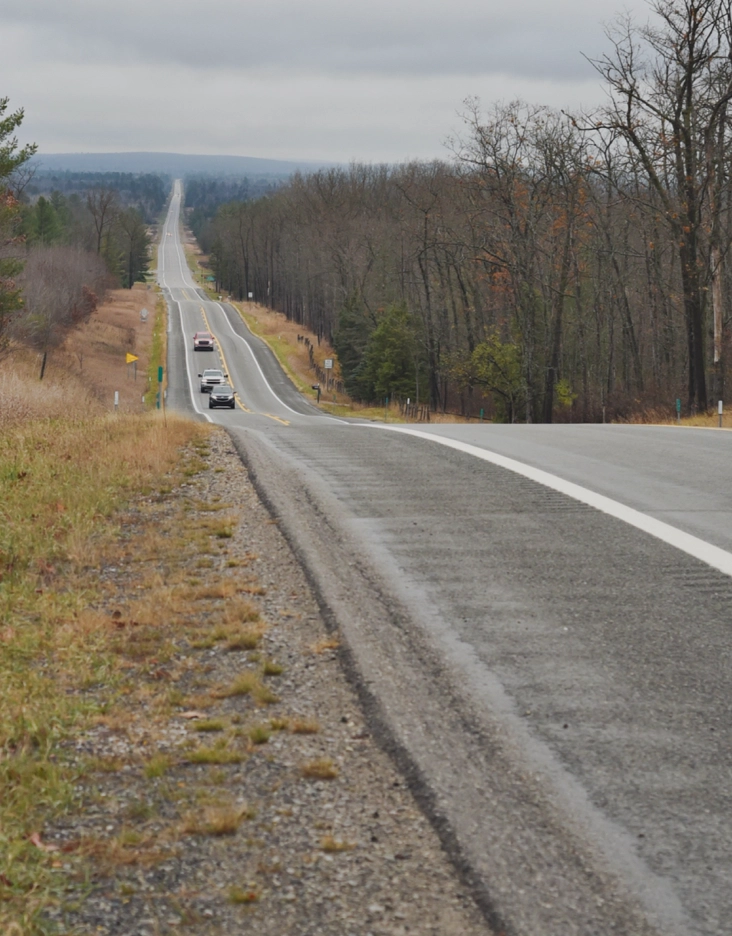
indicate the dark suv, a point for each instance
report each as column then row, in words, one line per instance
column 222, row 395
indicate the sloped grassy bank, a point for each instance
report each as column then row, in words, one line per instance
column 62, row 483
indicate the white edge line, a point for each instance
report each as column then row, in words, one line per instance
column 171, row 301
column 713, row 556
column 254, row 358
column 261, row 372
column 206, row 416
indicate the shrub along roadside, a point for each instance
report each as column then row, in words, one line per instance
column 62, row 482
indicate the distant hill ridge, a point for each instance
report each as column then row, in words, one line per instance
column 173, row 164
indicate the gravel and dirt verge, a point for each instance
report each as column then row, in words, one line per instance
column 232, row 785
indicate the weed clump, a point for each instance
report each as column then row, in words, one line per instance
column 330, row 844
column 157, row 766
column 322, row 769
column 214, row 755
column 304, row 726
column 240, row 895
column 208, row 724
column 259, row 734
column 216, row 820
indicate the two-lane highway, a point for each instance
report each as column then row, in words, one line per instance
column 552, row 669
column 263, row 391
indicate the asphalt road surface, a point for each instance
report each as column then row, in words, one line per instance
column 548, row 656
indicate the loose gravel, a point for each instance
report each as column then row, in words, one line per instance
column 300, row 833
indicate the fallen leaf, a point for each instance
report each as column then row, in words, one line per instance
column 35, row 839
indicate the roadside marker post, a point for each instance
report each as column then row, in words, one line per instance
column 132, row 359
column 720, row 410
column 161, row 393
column 116, row 400
column 481, row 414
column 678, row 411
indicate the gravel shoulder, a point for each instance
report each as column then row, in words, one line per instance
column 283, row 815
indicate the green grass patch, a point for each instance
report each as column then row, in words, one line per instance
column 215, row 755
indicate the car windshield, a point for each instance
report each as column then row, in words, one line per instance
column 213, row 373
column 224, row 388
column 202, row 335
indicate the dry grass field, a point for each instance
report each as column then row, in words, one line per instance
column 68, row 465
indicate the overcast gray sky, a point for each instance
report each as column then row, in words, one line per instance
column 376, row 80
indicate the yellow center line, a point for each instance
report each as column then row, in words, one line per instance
column 284, row 422
column 222, row 356
column 185, row 294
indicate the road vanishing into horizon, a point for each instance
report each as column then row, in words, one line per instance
column 538, row 620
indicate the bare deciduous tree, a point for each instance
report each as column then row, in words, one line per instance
column 61, row 286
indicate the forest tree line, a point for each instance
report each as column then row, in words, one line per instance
column 107, row 214
column 65, row 240
column 556, row 267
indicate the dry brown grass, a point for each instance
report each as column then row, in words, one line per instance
column 216, row 820
column 82, row 375
column 304, row 726
column 60, row 393
column 330, row 844
column 211, row 591
column 126, row 850
column 327, row 643
column 241, row 610
column 244, row 684
column 321, row 769
column 244, row 639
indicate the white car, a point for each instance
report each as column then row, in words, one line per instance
column 212, row 377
